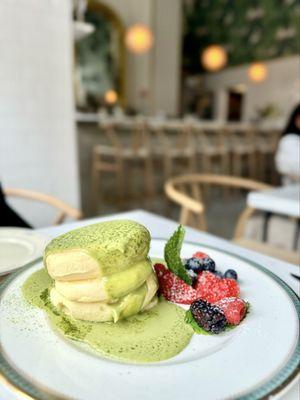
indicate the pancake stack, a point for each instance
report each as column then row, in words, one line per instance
column 102, row 272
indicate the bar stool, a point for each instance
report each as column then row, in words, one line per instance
column 117, row 158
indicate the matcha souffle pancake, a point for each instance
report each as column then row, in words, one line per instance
column 98, row 288
column 102, row 272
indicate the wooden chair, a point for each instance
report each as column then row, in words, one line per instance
column 173, row 150
column 242, row 145
column 212, row 150
column 266, row 146
column 117, row 157
column 175, row 146
column 186, row 191
column 64, row 209
column 213, row 153
column 107, row 158
column 290, row 256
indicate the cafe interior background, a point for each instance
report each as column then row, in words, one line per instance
column 103, row 104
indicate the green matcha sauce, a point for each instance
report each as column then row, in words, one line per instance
column 154, row 335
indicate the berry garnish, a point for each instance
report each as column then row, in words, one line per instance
column 172, row 287
column 208, row 316
column 231, row 274
column 195, row 264
column 193, row 275
column 200, row 255
column 212, row 288
column 209, row 264
column 234, row 309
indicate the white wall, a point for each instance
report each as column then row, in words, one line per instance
column 157, row 71
column 282, row 87
column 167, row 56
column 37, row 137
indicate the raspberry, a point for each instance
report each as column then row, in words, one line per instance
column 208, row 316
column 200, row 255
column 173, row 288
column 211, row 288
column 231, row 287
column 234, row 309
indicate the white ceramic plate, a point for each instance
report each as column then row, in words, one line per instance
column 253, row 360
column 19, row 246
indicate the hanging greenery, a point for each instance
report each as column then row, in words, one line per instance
column 249, row 30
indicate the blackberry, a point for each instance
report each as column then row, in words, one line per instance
column 209, row 317
column 209, row 264
column 231, row 274
column 194, row 264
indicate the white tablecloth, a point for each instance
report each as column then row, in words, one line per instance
column 162, row 227
column 283, row 200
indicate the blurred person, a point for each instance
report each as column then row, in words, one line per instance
column 287, row 158
column 8, row 217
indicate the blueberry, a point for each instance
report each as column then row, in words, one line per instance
column 218, row 273
column 193, row 275
column 209, row 264
column 231, row 274
column 194, row 264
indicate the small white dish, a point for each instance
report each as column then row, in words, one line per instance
column 19, row 246
column 251, row 362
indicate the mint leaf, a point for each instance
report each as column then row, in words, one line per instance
column 172, row 255
column 189, row 319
